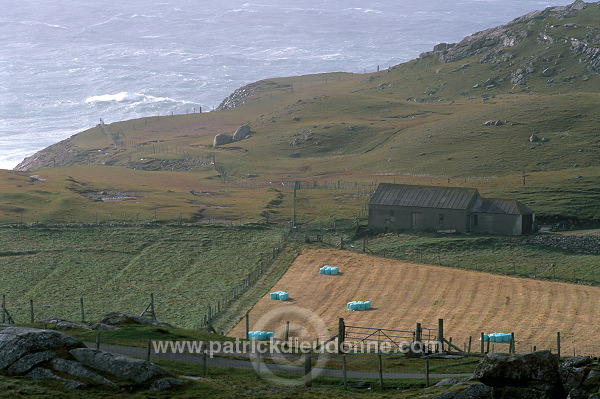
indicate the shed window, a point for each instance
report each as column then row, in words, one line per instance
column 441, row 218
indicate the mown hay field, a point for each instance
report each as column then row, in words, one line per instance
column 405, row 293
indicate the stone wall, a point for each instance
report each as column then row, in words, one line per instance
column 584, row 245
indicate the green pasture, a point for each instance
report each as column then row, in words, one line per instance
column 187, row 268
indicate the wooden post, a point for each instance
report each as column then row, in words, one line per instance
column 148, row 346
column 344, row 372
column 427, row 372
column 512, row 342
column 470, row 339
column 31, row 310
column 482, row 344
column 441, row 333
column 380, row 366
column 341, row 334
column 418, row 333
column 307, row 370
column 247, row 325
column 287, row 331
column 558, row 343
column 488, row 346
column 98, row 340
column 82, row 309
column 152, row 307
column 204, row 356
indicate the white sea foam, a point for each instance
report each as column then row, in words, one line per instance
column 125, row 97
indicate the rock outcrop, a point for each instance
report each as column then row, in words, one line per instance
column 533, row 375
column 116, row 318
column 37, row 353
column 493, row 43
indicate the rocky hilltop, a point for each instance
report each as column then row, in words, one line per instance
column 496, row 41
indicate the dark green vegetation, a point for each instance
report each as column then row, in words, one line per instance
column 116, row 269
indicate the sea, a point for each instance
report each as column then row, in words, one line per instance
column 66, row 64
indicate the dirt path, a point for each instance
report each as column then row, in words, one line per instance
column 404, row 293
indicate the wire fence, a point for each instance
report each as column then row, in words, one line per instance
column 23, row 310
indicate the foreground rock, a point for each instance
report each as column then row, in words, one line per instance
column 531, row 375
column 36, row 353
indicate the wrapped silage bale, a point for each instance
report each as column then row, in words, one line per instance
column 274, row 295
column 283, row 296
column 335, row 270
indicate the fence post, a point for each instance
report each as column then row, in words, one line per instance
column 558, row 343
column 470, row 339
column 3, row 308
column 427, row 371
column 482, row 344
column 82, row 309
column 31, row 311
column 380, row 366
column 341, row 334
column 345, row 374
column 98, row 340
column 152, row 306
column 307, row 370
column 512, row 342
column 441, row 333
column 247, row 325
column 148, row 346
column 418, row 333
column 204, row 344
column 287, row 331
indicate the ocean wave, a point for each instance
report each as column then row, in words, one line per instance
column 126, row 97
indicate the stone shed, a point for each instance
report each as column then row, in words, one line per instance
column 396, row 207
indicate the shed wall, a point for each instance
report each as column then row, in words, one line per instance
column 390, row 218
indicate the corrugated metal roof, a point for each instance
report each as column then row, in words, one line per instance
column 502, row 206
column 422, row 196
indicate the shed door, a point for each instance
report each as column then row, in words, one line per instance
column 416, row 223
column 527, row 224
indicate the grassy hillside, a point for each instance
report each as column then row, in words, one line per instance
column 117, row 268
column 428, row 117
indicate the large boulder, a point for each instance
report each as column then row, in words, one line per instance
column 241, row 133
column 530, row 375
column 222, row 139
column 118, row 365
column 18, row 342
column 39, row 354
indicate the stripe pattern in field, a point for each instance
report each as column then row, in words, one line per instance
column 405, row 293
